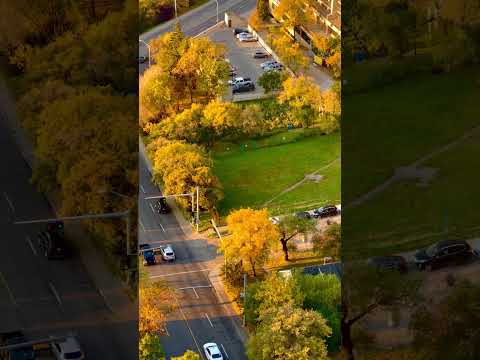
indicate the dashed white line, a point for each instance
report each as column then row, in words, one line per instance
column 151, row 207
column 55, row 293
column 141, row 187
column 9, row 202
column 31, row 246
column 225, row 351
column 141, row 224
column 206, row 315
column 10, row 294
column 166, row 330
column 195, row 291
column 163, row 229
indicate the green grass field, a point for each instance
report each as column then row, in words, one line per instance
column 406, row 122
column 252, row 177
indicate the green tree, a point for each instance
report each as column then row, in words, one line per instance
column 263, row 10
column 288, row 332
column 150, row 348
column 252, row 235
column 253, row 121
column 328, row 242
column 189, row 355
column 272, row 80
column 188, row 125
column 222, row 119
column 291, row 226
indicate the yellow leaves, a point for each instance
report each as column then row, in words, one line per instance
column 156, row 300
column 252, row 235
column 301, row 91
column 291, row 53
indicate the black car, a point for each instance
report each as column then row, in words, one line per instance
column 326, row 211
column 53, row 245
column 162, row 207
column 259, row 54
column 442, row 254
column 142, row 59
column 303, row 215
column 237, row 31
column 243, row 87
column 388, row 263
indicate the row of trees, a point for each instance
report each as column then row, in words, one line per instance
column 74, row 86
column 294, row 317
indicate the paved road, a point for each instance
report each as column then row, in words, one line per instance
column 201, row 318
column 48, row 297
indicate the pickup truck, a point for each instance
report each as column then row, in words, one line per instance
column 239, row 80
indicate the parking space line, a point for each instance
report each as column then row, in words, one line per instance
column 10, row 294
column 55, row 293
column 163, row 229
column 206, row 315
column 225, row 351
column 195, row 291
column 142, row 188
column 151, row 207
column 9, row 202
column 31, row 246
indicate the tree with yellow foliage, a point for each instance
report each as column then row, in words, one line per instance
column 294, row 13
column 290, row 53
column 288, row 332
column 189, row 355
column 252, row 235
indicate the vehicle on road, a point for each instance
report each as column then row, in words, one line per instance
column 68, row 349
column 325, row 211
column 239, row 80
column 167, row 253
column 237, row 31
column 148, row 255
column 247, row 38
column 444, row 253
column 212, row 352
column 53, row 245
column 161, row 206
column 389, row 263
column 243, row 87
column 13, row 338
column 303, row 215
column 273, row 67
column 268, row 63
column 260, row 54
column 142, row 59
column 275, row 220
column 243, row 33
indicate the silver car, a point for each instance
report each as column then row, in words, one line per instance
column 167, row 253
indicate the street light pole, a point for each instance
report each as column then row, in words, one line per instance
column 149, row 51
column 198, row 210
column 175, row 1
column 217, row 10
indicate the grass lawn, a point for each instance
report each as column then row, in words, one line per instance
column 252, row 177
column 406, row 216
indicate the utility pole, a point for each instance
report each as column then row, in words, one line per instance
column 198, row 209
column 175, row 1
column 244, row 295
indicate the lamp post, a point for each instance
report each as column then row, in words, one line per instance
column 149, row 51
column 216, row 1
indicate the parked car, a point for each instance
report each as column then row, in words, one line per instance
column 148, row 255
column 260, row 54
column 12, row 338
column 237, row 31
column 53, row 245
column 273, row 67
column 268, row 63
column 212, row 352
column 443, row 253
column 167, row 253
column 68, row 349
column 239, row 80
column 243, row 87
column 303, row 215
column 247, row 38
column 325, row 211
column 275, row 220
column 391, row 262
column 244, row 33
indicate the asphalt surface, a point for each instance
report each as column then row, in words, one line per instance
column 200, row 317
column 45, row 297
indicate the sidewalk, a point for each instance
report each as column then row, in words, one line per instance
column 112, row 289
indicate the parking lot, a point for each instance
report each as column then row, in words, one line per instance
column 240, row 55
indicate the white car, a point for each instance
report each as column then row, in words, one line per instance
column 239, row 80
column 273, row 67
column 268, row 63
column 167, row 253
column 212, row 351
column 275, row 220
column 247, row 38
column 68, row 349
column 242, row 34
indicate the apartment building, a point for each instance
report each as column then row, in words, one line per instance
column 327, row 14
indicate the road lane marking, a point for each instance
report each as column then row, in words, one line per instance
column 163, row 229
column 178, row 273
column 9, row 202
column 151, row 207
column 10, row 294
column 225, row 351
column 31, row 246
column 166, row 330
column 195, row 291
column 105, row 300
column 188, row 325
column 206, row 315
column 141, row 187
column 55, row 293
column 141, row 224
